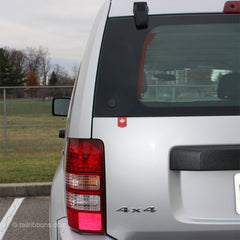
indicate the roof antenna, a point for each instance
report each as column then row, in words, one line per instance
column 140, row 10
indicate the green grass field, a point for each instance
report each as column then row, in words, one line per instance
column 33, row 146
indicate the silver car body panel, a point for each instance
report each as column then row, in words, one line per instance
column 80, row 113
column 138, row 176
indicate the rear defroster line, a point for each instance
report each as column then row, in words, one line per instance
column 7, row 219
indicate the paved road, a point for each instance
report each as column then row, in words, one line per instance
column 29, row 218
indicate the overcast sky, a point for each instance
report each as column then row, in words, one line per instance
column 61, row 26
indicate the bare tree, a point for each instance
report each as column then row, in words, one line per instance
column 59, row 70
column 33, row 60
column 38, row 61
column 59, row 77
column 75, row 72
column 35, row 65
column 62, row 75
column 45, row 67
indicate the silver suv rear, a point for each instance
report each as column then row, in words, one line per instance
column 153, row 140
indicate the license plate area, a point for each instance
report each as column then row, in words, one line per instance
column 237, row 192
column 199, row 196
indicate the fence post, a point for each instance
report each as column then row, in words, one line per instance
column 5, row 118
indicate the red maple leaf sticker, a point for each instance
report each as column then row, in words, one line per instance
column 122, row 122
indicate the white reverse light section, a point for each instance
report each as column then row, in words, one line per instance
column 84, row 202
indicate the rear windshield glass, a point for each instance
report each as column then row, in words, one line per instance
column 179, row 65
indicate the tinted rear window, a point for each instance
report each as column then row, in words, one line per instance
column 178, row 66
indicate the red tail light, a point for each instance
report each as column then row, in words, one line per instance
column 85, row 191
column 232, row 7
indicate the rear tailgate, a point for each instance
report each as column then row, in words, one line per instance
column 173, row 84
column 147, row 200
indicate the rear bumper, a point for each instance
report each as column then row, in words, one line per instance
column 65, row 233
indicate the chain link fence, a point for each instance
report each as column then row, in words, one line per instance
column 26, row 121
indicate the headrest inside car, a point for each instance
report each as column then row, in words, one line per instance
column 229, row 86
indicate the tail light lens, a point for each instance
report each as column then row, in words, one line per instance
column 85, row 193
column 232, row 7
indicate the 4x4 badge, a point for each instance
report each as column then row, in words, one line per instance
column 137, row 210
column 122, row 122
